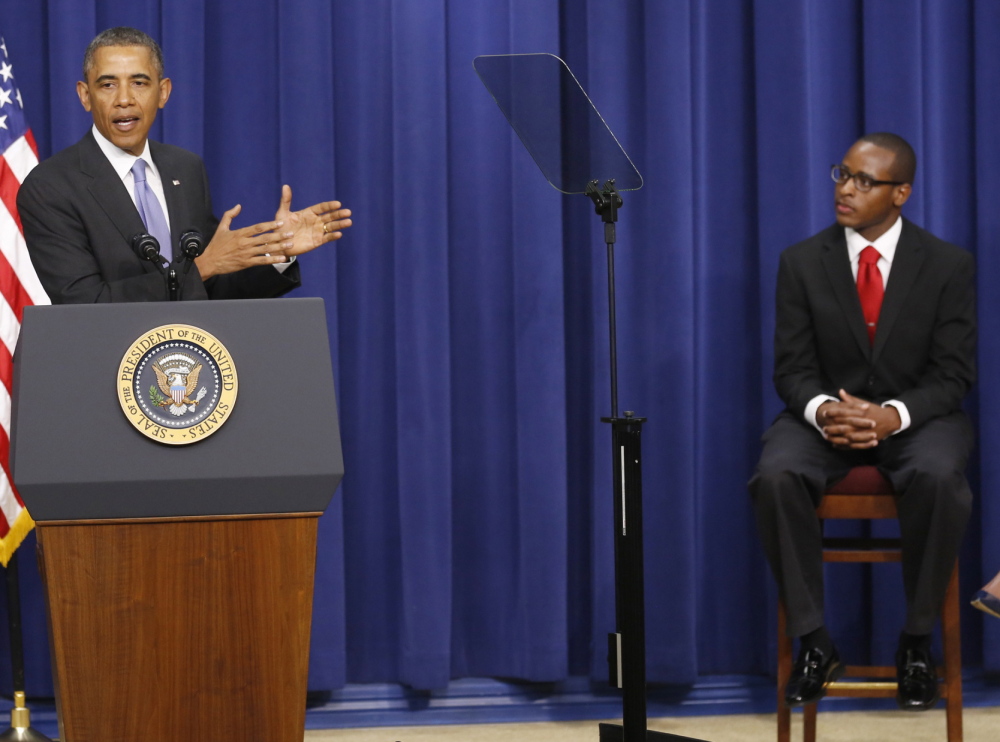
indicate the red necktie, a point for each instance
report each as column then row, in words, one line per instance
column 870, row 289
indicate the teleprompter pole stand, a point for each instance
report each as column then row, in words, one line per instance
column 627, row 646
column 20, row 717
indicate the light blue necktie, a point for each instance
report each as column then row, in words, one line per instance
column 150, row 210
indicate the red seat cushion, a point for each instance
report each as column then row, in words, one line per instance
column 862, row 480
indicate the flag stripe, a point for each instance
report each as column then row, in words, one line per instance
column 21, row 156
column 6, row 371
column 9, row 183
column 9, row 505
column 15, row 253
column 9, row 327
column 19, row 287
column 5, row 409
column 29, row 137
column 12, row 290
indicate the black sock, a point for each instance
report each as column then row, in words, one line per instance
column 914, row 641
column 817, row 639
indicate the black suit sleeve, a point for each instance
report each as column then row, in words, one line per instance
column 63, row 257
column 798, row 373
column 950, row 369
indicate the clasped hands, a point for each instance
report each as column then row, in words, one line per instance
column 291, row 233
column 856, row 423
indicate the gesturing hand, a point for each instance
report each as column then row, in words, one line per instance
column 312, row 226
column 235, row 249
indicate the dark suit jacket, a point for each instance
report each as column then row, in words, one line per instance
column 924, row 351
column 79, row 221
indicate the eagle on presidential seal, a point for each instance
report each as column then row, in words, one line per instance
column 177, row 376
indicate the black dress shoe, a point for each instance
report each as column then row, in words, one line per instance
column 918, row 684
column 813, row 670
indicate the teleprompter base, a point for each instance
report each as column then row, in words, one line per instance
column 616, row 733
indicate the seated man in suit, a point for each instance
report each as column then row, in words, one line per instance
column 83, row 208
column 869, row 381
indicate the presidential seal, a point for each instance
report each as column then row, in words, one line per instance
column 177, row 384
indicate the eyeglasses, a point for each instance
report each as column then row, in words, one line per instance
column 863, row 181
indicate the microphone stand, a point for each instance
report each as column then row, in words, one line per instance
column 173, row 285
column 191, row 244
column 147, row 247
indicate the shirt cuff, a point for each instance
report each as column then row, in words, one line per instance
column 814, row 403
column 904, row 414
column 282, row 267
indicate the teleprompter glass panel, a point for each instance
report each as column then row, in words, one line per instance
column 556, row 121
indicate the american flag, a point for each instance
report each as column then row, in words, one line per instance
column 19, row 288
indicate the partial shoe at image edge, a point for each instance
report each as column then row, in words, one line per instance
column 987, row 603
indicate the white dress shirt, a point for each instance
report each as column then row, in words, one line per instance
column 122, row 162
column 886, row 246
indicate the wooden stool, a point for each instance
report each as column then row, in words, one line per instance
column 865, row 494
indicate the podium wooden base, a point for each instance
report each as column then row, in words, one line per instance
column 180, row 629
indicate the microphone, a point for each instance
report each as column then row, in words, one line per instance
column 147, row 248
column 192, row 244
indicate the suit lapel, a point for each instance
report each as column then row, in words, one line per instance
column 905, row 268
column 837, row 265
column 108, row 190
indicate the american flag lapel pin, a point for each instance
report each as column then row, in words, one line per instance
column 176, row 182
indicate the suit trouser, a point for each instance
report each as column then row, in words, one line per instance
column 926, row 466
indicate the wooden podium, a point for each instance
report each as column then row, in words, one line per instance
column 178, row 579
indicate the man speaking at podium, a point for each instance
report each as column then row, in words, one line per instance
column 84, row 209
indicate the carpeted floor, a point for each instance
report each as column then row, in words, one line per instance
column 981, row 725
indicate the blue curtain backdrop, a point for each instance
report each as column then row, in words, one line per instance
column 467, row 307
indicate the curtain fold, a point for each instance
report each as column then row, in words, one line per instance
column 467, row 307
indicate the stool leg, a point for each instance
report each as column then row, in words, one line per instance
column 784, row 672
column 809, row 723
column 951, row 636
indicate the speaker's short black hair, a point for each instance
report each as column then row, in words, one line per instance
column 904, row 167
column 122, row 36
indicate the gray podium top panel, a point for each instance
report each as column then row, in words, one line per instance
column 75, row 455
